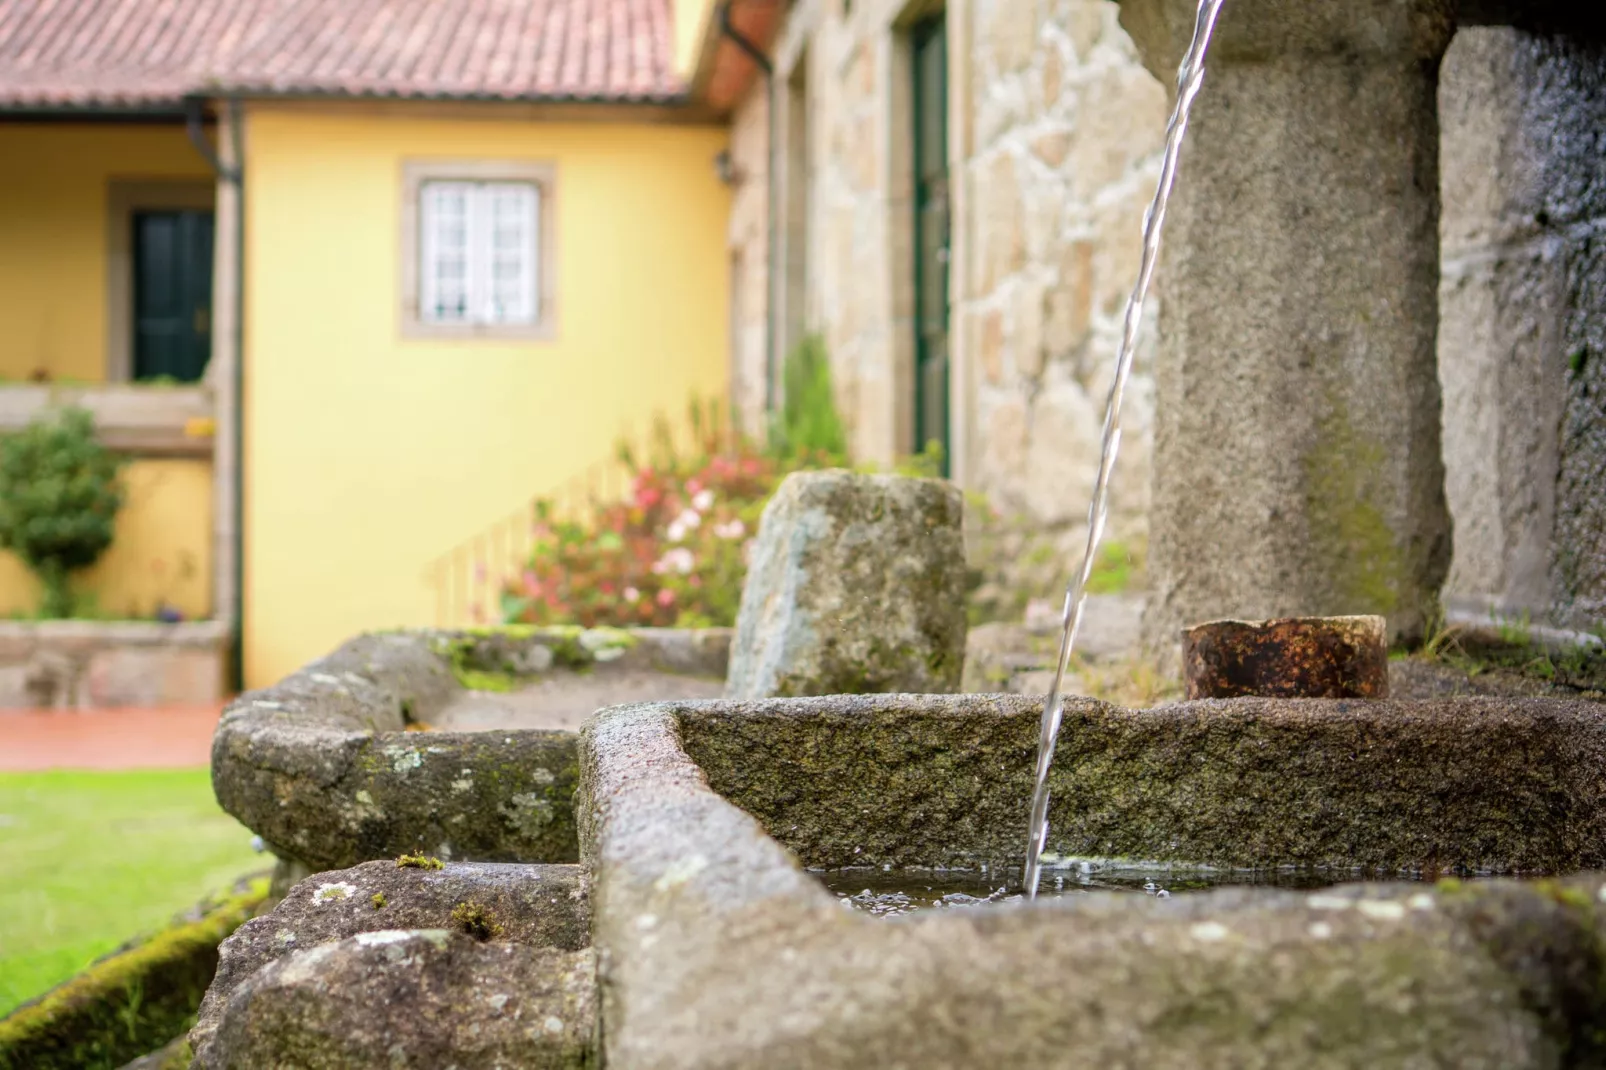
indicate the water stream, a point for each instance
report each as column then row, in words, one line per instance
column 1190, row 77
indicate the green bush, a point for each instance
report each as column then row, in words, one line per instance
column 808, row 423
column 60, row 491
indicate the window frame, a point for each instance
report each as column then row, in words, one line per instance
column 541, row 174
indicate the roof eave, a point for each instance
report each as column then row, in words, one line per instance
column 162, row 111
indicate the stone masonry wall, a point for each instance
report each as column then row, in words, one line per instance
column 1068, row 129
column 1522, row 336
column 749, row 252
column 1054, row 130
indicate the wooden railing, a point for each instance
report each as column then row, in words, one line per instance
column 469, row 578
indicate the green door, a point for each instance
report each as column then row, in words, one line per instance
column 930, row 42
column 172, row 295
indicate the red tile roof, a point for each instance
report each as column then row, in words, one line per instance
column 132, row 53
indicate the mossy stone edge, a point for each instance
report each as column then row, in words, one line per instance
column 131, row 1002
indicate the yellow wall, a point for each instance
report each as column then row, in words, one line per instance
column 162, row 550
column 368, row 455
column 53, row 235
column 54, row 241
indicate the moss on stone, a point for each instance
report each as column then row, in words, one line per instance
column 476, row 921
column 130, row 1002
column 479, row 680
column 490, row 659
column 419, row 862
column 1348, row 526
column 378, row 900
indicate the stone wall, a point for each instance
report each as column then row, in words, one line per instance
column 72, row 664
column 1054, row 137
column 1067, row 132
column 1522, row 336
column 749, row 251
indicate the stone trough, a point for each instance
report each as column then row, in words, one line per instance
column 330, row 766
column 716, row 948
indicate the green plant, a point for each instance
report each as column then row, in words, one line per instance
column 808, row 423
column 60, row 491
column 672, row 553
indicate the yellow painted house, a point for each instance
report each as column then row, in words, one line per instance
column 350, row 280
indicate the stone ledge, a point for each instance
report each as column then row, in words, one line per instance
column 324, row 768
column 82, row 664
column 145, row 420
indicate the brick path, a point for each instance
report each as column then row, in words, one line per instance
column 170, row 738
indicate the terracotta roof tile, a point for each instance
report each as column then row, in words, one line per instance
column 128, row 53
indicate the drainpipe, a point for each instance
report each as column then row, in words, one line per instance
column 194, row 113
column 762, row 62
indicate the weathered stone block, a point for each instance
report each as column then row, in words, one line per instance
column 1297, row 447
column 1485, row 785
column 724, row 953
column 535, row 906
column 422, row 999
column 327, row 766
column 856, row 585
column 153, row 676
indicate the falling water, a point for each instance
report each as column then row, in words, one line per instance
column 1189, row 78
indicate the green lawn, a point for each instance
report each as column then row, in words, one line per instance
column 89, row 860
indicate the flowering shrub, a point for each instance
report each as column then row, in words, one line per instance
column 674, row 553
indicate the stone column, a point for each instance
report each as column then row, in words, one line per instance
column 1297, row 461
column 1523, row 298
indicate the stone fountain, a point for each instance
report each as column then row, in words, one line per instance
column 641, row 895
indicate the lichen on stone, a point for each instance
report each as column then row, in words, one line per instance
column 329, row 893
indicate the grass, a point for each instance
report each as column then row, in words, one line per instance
column 1513, row 654
column 92, row 860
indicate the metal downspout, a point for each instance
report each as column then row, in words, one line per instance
column 762, row 62
column 194, row 114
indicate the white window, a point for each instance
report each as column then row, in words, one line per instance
column 477, row 249
column 479, row 253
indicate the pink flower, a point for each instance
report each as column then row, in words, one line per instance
column 735, row 529
column 632, row 595
column 683, row 524
column 532, row 584
column 702, row 500
column 666, row 598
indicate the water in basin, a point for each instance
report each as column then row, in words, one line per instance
column 895, row 893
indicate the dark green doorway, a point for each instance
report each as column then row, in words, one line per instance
column 929, row 40
column 172, row 295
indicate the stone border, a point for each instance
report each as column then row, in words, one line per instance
column 86, row 664
column 148, row 420
column 719, row 951
column 322, row 765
